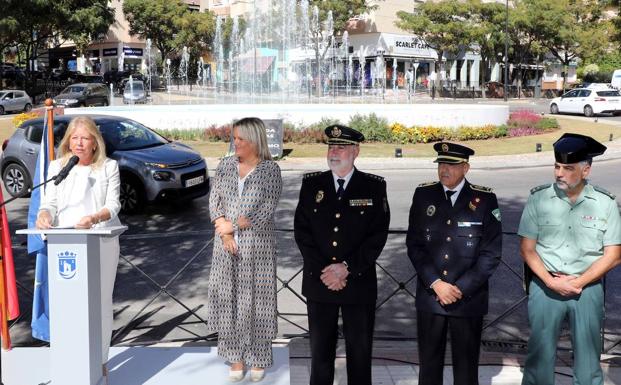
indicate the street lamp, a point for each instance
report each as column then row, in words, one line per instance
column 506, row 48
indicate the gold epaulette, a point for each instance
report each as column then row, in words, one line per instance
column 425, row 184
column 539, row 188
column 604, row 191
column 476, row 187
column 311, row 174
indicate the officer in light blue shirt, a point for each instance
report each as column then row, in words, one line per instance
column 571, row 237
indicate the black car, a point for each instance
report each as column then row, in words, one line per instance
column 83, row 95
column 152, row 167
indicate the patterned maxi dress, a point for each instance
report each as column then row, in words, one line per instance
column 241, row 302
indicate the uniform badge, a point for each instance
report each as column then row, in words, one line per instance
column 445, row 147
column 477, row 199
column 431, row 210
column 361, row 202
column 496, row 214
column 336, row 132
column 319, row 196
column 472, row 206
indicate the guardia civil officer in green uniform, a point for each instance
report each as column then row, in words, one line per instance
column 454, row 241
column 341, row 225
column 571, row 232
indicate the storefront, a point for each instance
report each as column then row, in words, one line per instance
column 119, row 58
column 399, row 53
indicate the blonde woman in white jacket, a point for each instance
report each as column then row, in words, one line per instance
column 88, row 197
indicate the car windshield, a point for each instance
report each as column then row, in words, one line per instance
column 134, row 86
column 129, row 135
column 2, row 94
column 73, row 90
column 608, row 93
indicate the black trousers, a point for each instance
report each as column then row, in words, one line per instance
column 465, row 347
column 358, row 324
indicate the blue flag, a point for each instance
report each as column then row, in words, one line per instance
column 40, row 303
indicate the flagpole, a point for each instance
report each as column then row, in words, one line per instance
column 49, row 110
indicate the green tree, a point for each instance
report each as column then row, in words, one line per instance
column 341, row 11
column 488, row 20
column 159, row 20
column 446, row 26
column 30, row 25
column 569, row 30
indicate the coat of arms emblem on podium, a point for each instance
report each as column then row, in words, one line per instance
column 67, row 267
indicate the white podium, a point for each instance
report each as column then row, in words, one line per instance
column 75, row 302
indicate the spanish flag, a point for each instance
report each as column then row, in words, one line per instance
column 9, row 303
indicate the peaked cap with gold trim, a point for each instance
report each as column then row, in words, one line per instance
column 452, row 153
column 339, row 134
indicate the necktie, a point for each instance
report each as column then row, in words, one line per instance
column 449, row 194
column 341, row 190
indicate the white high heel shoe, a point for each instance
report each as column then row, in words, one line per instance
column 257, row 374
column 236, row 375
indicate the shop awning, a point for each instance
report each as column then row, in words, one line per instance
column 263, row 64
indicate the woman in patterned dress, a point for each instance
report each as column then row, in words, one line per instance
column 241, row 303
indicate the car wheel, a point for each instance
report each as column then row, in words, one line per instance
column 554, row 109
column 131, row 195
column 588, row 111
column 27, row 107
column 1, row 110
column 16, row 179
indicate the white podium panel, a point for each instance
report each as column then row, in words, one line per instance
column 74, row 264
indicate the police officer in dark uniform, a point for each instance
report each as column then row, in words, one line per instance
column 341, row 225
column 454, row 241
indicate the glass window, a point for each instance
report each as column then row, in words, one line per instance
column 73, row 90
column 129, row 135
column 608, row 93
column 34, row 132
column 571, row 94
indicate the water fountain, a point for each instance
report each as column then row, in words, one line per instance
column 288, row 54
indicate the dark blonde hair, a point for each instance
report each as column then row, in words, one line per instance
column 254, row 131
column 87, row 123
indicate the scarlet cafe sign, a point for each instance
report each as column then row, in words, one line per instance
column 409, row 46
column 414, row 42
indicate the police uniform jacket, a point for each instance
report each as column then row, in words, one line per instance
column 458, row 244
column 353, row 229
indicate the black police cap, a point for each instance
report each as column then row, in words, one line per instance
column 339, row 134
column 573, row 148
column 452, row 153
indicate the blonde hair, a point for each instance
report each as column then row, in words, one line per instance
column 254, row 131
column 89, row 125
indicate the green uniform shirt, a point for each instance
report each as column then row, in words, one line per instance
column 570, row 237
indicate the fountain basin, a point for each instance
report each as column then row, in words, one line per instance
column 166, row 117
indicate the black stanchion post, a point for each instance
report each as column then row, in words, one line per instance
column 454, row 92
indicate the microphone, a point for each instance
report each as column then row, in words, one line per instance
column 65, row 171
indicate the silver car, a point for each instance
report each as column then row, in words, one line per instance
column 14, row 100
column 134, row 92
column 152, row 167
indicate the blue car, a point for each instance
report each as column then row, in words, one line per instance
column 152, row 167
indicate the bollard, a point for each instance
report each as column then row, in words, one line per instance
column 610, row 138
column 454, row 92
column 472, row 92
column 538, row 147
column 398, row 153
column 433, row 91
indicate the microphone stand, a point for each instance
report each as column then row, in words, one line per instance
column 23, row 194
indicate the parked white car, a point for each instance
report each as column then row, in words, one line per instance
column 588, row 102
column 14, row 100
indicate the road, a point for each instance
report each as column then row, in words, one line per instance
column 165, row 238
